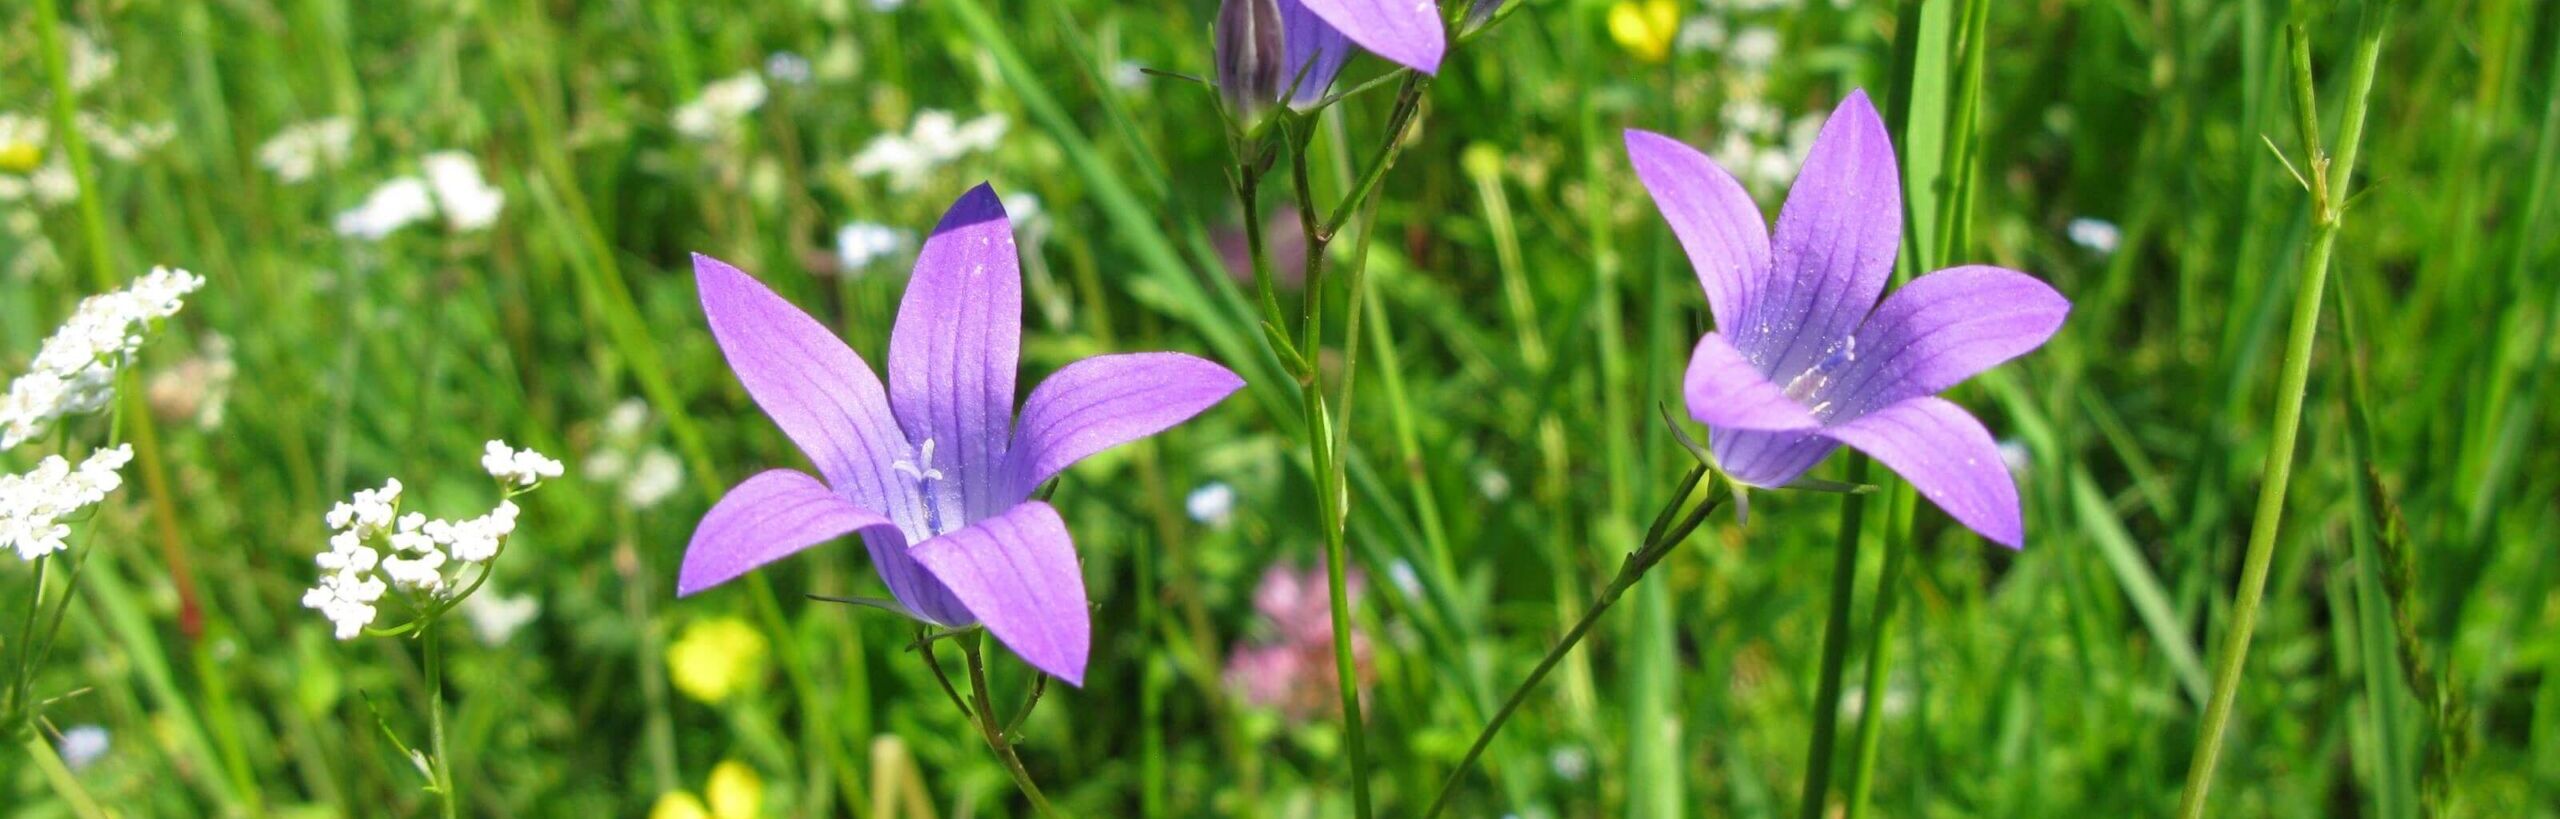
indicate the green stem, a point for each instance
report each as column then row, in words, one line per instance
column 995, row 734
column 1835, row 648
column 2329, row 198
column 441, row 774
column 1897, row 547
column 59, row 777
column 1657, row 546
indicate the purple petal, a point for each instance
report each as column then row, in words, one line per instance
column 1943, row 328
column 814, row 387
column 1312, row 45
column 1017, row 572
column 1767, row 458
column 910, row 583
column 1406, row 32
column 769, row 517
column 1834, row 244
column 1723, row 232
column 1105, row 401
column 1948, row 456
column 1724, row 390
column 953, row 353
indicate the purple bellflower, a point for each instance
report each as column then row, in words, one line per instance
column 1267, row 49
column 935, row 471
column 1803, row 359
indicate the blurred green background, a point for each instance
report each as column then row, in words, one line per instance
column 1530, row 310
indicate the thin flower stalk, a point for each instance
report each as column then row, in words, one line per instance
column 2329, row 179
column 1670, row 528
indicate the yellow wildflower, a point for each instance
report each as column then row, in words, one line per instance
column 714, row 658
column 1645, row 28
column 678, row 805
column 735, row 791
column 21, row 143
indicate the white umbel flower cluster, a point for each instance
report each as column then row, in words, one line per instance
column 935, row 138
column 74, row 372
column 722, row 105
column 301, row 150
column 518, row 468
column 33, row 505
column 376, row 548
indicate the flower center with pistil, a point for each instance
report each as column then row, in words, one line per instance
column 1811, row 383
column 922, row 470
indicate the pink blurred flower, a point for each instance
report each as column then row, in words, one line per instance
column 1292, row 669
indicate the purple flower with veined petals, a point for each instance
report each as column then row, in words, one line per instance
column 1803, row 359
column 935, row 471
column 1405, row 32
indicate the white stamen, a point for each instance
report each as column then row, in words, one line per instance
column 921, row 468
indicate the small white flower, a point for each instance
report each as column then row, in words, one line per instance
column 2015, row 455
column 655, row 478
column 347, row 591
column 788, row 68
column 1214, row 503
column 627, row 420
column 1406, row 580
column 495, row 617
column 396, row 204
column 858, row 244
column 1754, row 49
column 721, row 106
column 1571, row 764
column 74, row 370
column 369, row 513
column 478, row 539
column 32, row 505
column 54, row 183
column 82, row 746
column 124, row 143
column 300, row 150
column 1701, row 33
column 89, row 62
column 932, row 140
column 518, row 468
column 468, row 201
column 1492, row 483
column 2095, row 234
column 1128, row 75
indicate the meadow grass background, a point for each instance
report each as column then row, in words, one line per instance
column 1529, row 312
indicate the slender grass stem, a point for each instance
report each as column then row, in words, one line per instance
column 59, row 777
column 1897, row 550
column 993, row 731
column 2330, row 184
column 1835, row 648
column 1657, row 545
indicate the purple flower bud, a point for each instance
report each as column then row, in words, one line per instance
column 1251, row 50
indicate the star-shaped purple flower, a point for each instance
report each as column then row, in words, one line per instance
column 935, row 471
column 1803, row 359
